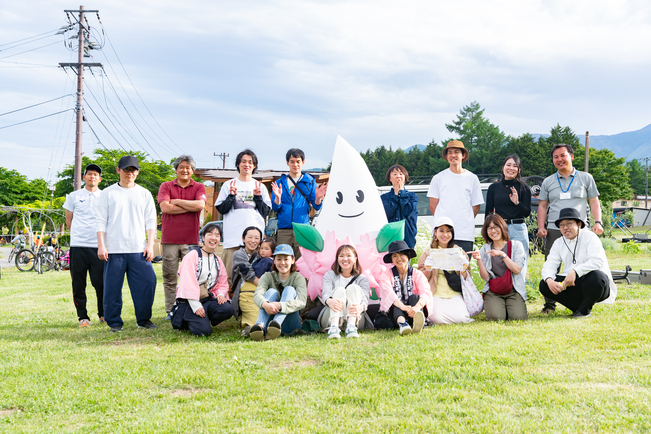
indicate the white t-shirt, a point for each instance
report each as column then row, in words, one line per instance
column 457, row 194
column 243, row 213
column 82, row 203
column 125, row 215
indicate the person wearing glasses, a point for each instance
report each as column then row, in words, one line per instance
column 567, row 188
column 586, row 278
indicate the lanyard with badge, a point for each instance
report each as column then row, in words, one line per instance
column 565, row 194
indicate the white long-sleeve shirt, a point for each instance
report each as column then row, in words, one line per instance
column 125, row 215
column 590, row 256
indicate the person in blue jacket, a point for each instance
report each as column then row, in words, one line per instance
column 401, row 204
column 292, row 197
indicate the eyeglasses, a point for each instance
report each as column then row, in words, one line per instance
column 566, row 225
column 493, row 228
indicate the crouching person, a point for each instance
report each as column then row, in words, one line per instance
column 202, row 295
column 585, row 278
column 280, row 295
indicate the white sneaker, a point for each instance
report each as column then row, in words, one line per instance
column 419, row 321
column 333, row 332
column 404, row 329
column 351, row 331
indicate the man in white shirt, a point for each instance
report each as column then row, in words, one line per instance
column 242, row 202
column 585, row 278
column 455, row 193
column 125, row 213
column 81, row 213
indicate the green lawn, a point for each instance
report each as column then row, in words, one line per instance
column 547, row 374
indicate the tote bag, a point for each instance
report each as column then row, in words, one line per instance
column 473, row 299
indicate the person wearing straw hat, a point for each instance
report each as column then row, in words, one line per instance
column 456, row 193
column 585, row 278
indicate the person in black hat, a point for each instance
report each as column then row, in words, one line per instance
column 126, row 230
column 404, row 292
column 585, row 278
column 81, row 214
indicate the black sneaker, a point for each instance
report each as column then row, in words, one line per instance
column 116, row 329
column 273, row 331
column 147, row 325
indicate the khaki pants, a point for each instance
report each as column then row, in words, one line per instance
column 172, row 255
column 502, row 307
column 227, row 259
column 249, row 309
column 286, row 236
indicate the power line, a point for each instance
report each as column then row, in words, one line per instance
column 31, row 37
column 24, row 43
column 35, row 119
column 41, row 103
column 27, row 51
column 134, row 87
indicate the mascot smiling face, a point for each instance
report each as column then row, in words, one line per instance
column 352, row 207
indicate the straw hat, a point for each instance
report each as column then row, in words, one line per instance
column 455, row 144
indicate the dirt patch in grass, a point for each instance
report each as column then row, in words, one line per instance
column 8, row 411
column 185, row 392
column 298, row 364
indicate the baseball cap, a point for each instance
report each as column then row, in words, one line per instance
column 94, row 168
column 128, row 161
column 284, row 249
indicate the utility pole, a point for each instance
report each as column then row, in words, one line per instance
column 223, row 156
column 80, row 89
column 587, row 150
column 646, row 182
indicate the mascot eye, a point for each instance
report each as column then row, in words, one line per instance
column 360, row 196
column 340, row 198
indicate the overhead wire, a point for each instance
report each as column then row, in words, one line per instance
column 134, row 87
column 27, row 51
column 35, row 105
column 31, row 37
column 35, row 119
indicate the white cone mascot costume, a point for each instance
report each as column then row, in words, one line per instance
column 352, row 213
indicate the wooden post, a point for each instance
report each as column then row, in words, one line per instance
column 587, row 149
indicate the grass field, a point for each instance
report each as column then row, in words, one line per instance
column 546, row 374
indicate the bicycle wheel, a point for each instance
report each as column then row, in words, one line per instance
column 48, row 261
column 25, row 260
column 12, row 253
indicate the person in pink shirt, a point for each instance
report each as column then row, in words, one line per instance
column 404, row 292
column 202, row 295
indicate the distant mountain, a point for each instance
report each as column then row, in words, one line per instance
column 631, row 145
column 419, row 147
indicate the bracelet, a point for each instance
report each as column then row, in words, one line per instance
column 597, row 221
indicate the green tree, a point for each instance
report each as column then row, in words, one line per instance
column 636, row 175
column 152, row 172
column 16, row 189
column 484, row 140
column 610, row 175
column 533, row 153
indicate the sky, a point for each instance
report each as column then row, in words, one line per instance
column 271, row 75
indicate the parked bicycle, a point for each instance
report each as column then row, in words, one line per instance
column 43, row 260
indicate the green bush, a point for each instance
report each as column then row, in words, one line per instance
column 631, row 248
column 609, row 244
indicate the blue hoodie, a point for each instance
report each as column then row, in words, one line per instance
column 295, row 209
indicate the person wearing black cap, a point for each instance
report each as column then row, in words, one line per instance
column 126, row 230
column 404, row 292
column 81, row 213
column 585, row 278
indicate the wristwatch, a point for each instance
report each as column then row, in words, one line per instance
column 602, row 225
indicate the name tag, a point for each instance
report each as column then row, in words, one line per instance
column 565, row 196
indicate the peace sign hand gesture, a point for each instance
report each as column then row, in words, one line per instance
column 233, row 188
column 257, row 191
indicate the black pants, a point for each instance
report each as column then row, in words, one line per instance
column 588, row 289
column 390, row 319
column 552, row 235
column 183, row 318
column 84, row 260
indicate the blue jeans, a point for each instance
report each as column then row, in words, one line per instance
column 518, row 232
column 288, row 321
column 142, row 284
